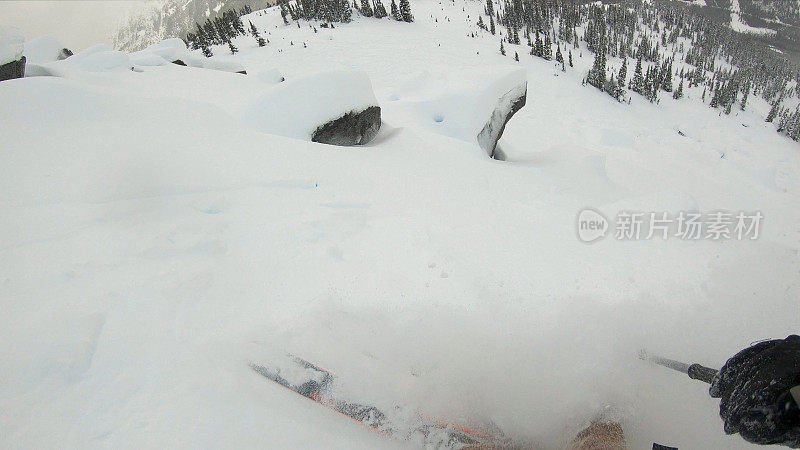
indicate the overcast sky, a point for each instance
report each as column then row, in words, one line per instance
column 78, row 24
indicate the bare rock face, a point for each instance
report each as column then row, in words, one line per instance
column 353, row 128
column 507, row 106
column 65, row 53
column 14, row 69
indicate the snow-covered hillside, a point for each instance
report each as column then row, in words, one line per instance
column 155, row 240
column 162, row 19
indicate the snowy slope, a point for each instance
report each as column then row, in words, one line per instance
column 153, row 242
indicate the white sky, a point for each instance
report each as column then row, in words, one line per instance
column 78, row 24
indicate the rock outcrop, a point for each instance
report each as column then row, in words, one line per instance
column 511, row 102
column 353, row 128
column 14, row 69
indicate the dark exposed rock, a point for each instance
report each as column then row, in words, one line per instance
column 506, row 107
column 353, row 128
column 243, row 72
column 14, row 69
column 179, row 62
column 65, row 53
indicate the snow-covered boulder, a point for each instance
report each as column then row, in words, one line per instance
column 45, row 49
column 217, row 63
column 12, row 61
column 174, row 51
column 473, row 105
column 336, row 108
column 99, row 58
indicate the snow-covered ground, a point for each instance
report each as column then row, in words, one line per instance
column 154, row 241
column 738, row 24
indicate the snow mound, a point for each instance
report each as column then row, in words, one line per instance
column 173, row 50
column 270, row 76
column 99, row 58
column 225, row 65
column 11, row 44
column 43, row 49
column 169, row 49
column 297, row 107
column 461, row 103
column 102, row 58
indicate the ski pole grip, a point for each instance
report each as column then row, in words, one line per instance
column 702, row 373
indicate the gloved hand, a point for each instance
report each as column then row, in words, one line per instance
column 753, row 387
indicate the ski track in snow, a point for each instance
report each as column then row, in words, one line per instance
column 152, row 244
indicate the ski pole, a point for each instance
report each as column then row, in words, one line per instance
column 695, row 371
column 789, row 400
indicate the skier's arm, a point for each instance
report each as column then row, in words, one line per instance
column 756, row 395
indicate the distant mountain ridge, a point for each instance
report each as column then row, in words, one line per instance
column 172, row 18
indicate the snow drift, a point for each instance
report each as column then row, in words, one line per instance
column 331, row 107
column 472, row 105
column 45, row 49
column 102, row 58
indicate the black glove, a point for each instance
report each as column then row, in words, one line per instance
column 753, row 387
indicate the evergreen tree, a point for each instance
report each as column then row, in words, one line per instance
column 502, row 49
column 774, row 110
column 284, row 13
column 559, row 56
column 405, row 11
column 516, row 56
column 345, row 13
column 366, row 8
column 744, row 97
column 623, row 72
column 491, row 25
column 679, row 92
column 637, row 82
column 715, row 99
column 597, row 75
column 547, row 51
column 666, row 77
column 570, row 58
column 481, row 24
column 489, row 8
column 207, row 52
column 380, row 10
column 538, row 47
column 613, row 89
column 232, row 47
